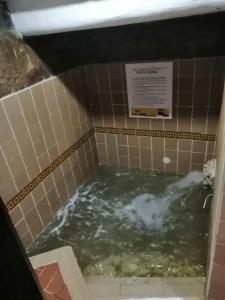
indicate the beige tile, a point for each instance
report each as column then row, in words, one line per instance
column 103, row 159
column 19, row 127
column 100, row 138
column 184, row 119
column 44, row 211
column 122, row 150
column 158, row 148
column 53, row 198
column 34, row 222
column 171, row 168
column 134, row 162
column 27, row 105
column 198, row 158
column 199, row 146
column 50, row 96
column 7, row 132
column 38, row 193
column 10, row 149
column 27, row 204
column 101, row 148
column 171, row 144
column 53, row 152
column 133, row 141
column 184, row 161
column 134, row 151
column 33, row 169
column 22, row 180
column 26, row 239
column 16, row 214
column 5, row 175
column 145, row 141
column 123, row 161
column 8, row 191
column 113, row 159
column 158, row 166
column 156, row 124
column 48, row 183
column 16, row 166
column 121, row 139
column 144, row 123
column 44, row 161
column 211, row 147
column 199, row 119
column 21, row 228
column 185, row 145
column 38, row 95
column 12, row 107
column 50, row 138
column 171, row 154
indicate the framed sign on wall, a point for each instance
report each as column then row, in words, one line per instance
column 149, row 87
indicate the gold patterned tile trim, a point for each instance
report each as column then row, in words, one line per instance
column 110, row 130
column 38, row 179
column 158, row 133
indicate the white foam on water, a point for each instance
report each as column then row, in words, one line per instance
column 63, row 213
column 149, row 210
column 144, row 210
column 119, row 174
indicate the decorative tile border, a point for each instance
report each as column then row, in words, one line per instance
column 38, row 179
column 110, row 130
column 158, row 133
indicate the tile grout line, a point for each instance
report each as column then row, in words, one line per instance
column 103, row 122
column 71, row 124
column 18, row 100
column 61, row 123
column 124, row 106
column 91, row 114
column 23, row 163
column 208, row 106
column 111, row 99
column 139, row 146
column 53, row 130
column 192, row 111
column 42, row 131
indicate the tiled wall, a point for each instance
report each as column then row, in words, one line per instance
column 48, row 145
column 47, row 149
column 216, row 282
column 197, row 96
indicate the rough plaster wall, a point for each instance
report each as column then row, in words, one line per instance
column 19, row 65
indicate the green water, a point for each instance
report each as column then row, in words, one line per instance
column 123, row 224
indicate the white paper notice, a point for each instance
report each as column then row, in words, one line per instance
column 149, row 87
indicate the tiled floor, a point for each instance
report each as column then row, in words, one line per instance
column 52, row 283
column 125, row 288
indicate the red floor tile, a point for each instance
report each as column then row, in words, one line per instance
column 52, row 283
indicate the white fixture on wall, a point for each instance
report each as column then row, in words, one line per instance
column 32, row 17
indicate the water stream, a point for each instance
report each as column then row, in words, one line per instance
column 134, row 223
